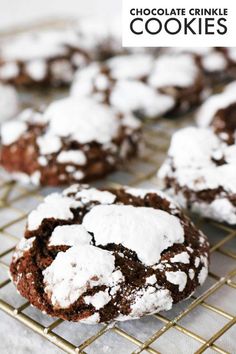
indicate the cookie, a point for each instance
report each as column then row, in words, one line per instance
column 73, row 140
column 41, row 58
column 200, row 172
column 9, row 102
column 94, row 255
column 219, row 112
column 180, row 77
column 121, row 83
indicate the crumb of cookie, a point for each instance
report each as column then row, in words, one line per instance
column 200, row 172
column 94, row 255
column 73, row 140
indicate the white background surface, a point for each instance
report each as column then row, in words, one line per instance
column 17, row 12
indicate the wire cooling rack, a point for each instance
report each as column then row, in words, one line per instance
column 203, row 323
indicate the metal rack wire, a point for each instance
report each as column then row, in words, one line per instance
column 141, row 172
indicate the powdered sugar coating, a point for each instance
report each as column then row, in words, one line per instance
column 9, row 102
column 83, row 81
column 54, row 206
column 9, row 71
column 136, row 96
column 177, row 278
column 23, row 246
column 70, row 235
column 121, row 224
column 202, row 275
column 11, row 131
column 48, row 144
column 42, row 57
column 73, row 139
column 142, row 193
column 73, row 271
column 101, row 38
column 191, row 273
column 76, row 157
column 181, row 258
column 177, row 71
column 150, row 300
column 134, row 66
column 89, row 121
column 92, row 194
column 214, row 103
column 99, row 300
column 119, row 81
column 214, row 61
column 93, row 319
column 37, row 45
column 192, row 165
column 59, row 206
column 37, row 69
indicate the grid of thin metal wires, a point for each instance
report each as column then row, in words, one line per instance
column 141, row 172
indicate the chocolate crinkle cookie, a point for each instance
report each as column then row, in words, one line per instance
column 47, row 58
column 145, row 86
column 200, row 172
column 94, row 255
column 73, row 140
column 219, row 112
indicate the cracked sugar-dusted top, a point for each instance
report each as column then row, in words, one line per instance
column 171, row 70
column 201, row 172
column 83, row 120
column 120, row 82
column 48, row 57
column 101, row 255
column 74, row 139
column 145, row 86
